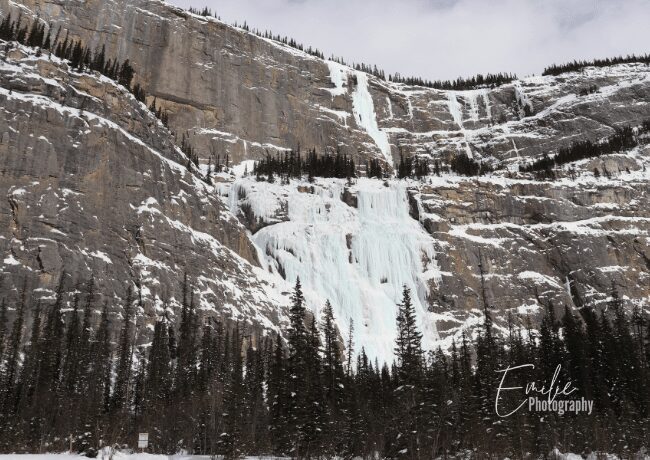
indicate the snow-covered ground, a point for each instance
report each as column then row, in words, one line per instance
column 120, row 455
column 557, row 455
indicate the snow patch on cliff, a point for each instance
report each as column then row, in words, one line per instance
column 339, row 78
column 455, row 109
column 365, row 116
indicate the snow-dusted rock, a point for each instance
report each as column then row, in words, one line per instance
column 92, row 182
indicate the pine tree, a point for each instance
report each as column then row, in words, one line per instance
column 349, row 349
column 315, row 414
column 31, row 365
column 408, row 345
column 279, row 399
column 71, row 370
column 550, row 344
column 333, row 375
column 574, row 341
column 487, row 363
column 85, row 343
column 186, row 350
column 48, row 386
column 124, row 353
column 99, row 60
column 11, row 368
column 409, row 354
column 126, row 74
column 230, row 439
column 207, row 359
column 595, row 352
column 256, row 416
column 158, row 386
column 137, row 400
column 298, row 342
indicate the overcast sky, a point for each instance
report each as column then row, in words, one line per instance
column 439, row 39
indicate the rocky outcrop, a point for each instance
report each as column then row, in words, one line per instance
column 93, row 185
column 234, row 93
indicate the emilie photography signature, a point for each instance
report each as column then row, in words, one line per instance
column 541, row 397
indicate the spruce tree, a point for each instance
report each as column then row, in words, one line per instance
column 11, row 367
column 256, row 414
column 279, row 400
column 158, row 387
column 408, row 345
column 574, row 341
column 85, row 343
column 405, row 440
column 124, row 353
column 48, row 385
column 349, row 349
column 333, row 376
column 186, row 351
column 298, row 342
column 315, row 413
column 230, row 440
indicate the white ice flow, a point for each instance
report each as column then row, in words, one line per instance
column 365, row 116
column 358, row 258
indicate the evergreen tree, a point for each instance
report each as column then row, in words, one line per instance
column 158, row 387
column 315, row 413
column 85, row 342
column 124, row 354
column 11, row 365
column 333, row 376
column 230, row 440
column 256, row 413
column 574, row 341
column 408, row 345
column 186, row 363
column 99, row 60
column 406, row 440
column 349, row 348
column 279, row 400
column 34, row 354
column 304, row 404
column 298, row 372
column 126, row 74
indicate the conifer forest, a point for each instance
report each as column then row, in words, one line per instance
column 216, row 388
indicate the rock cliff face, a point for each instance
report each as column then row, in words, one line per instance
column 233, row 92
column 93, row 183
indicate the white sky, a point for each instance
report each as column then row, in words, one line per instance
column 440, row 39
